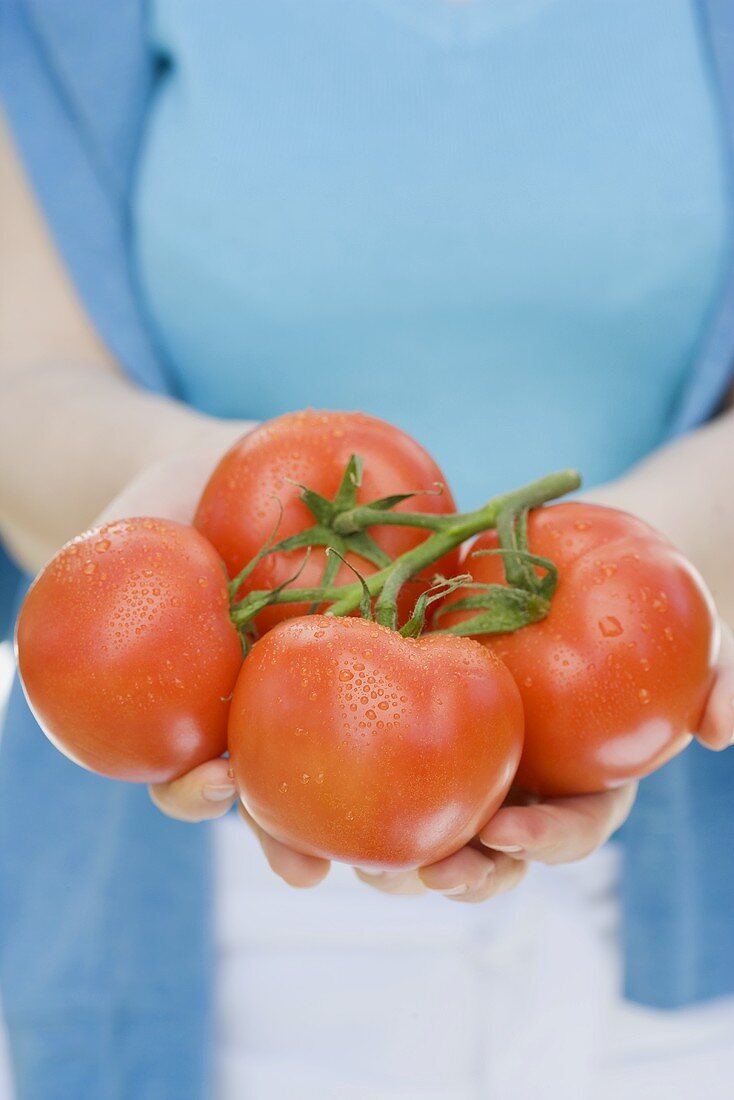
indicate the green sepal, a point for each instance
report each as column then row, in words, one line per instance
column 330, row 571
column 346, row 494
column 438, row 591
column 236, row 583
column 244, row 612
column 363, row 544
column 504, row 611
column 365, row 602
column 317, row 535
column 325, row 510
column 321, row 508
column 544, row 586
column 384, row 504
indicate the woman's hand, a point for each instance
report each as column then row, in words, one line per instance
column 557, row 830
column 170, row 489
column 554, row 831
column 566, row 829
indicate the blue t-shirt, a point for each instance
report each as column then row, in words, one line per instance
column 502, row 227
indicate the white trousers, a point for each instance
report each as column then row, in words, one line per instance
column 344, row 992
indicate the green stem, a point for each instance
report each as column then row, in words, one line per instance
column 453, row 530
column 459, row 528
column 386, row 608
column 358, row 519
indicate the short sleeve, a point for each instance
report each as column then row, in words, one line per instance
column 76, row 77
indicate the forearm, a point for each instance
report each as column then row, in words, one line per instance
column 686, row 490
column 73, row 429
column 70, row 438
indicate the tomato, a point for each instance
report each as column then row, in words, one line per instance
column 239, row 509
column 355, row 744
column 615, row 679
column 126, row 651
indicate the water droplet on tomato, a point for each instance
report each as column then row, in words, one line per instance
column 346, row 675
column 102, row 545
column 305, row 777
column 644, row 696
column 610, row 626
column 283, row 788
column 89, row 568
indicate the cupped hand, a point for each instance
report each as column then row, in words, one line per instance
column 717, row 725
column 170, row 489
column 557, row 830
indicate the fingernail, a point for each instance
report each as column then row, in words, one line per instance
column 453, row 890
column 504, row 847
column 370, row 872
column 218, row 792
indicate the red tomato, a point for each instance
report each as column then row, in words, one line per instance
column 238, row 508
column 615, row 679
column 352, row 743
column 127, row 653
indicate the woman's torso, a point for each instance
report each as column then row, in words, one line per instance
column 499, row 226
column 502, row 226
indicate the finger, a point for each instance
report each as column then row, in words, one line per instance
column 559, row 830
column 461, row 873
column 204, row 793
column 294, row 868
column 717, row 725
column 484, row 882
column 405, row 883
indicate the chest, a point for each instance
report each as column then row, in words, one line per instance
column 360, row 152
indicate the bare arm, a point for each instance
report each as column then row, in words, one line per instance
column 73, row 429
column 686, row 490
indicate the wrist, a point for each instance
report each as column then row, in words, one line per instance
column 170, row 430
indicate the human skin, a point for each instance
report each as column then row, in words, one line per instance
column 102, row 448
